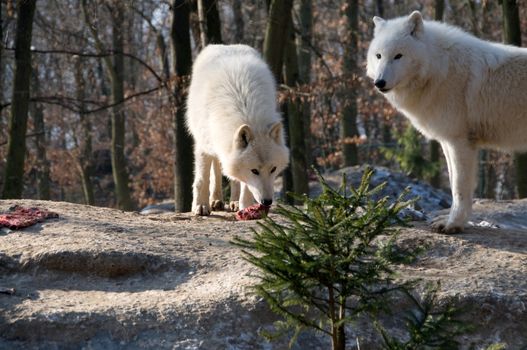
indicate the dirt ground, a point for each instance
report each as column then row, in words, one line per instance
column 98, row 278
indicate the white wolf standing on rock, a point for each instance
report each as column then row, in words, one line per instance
column 232, row 115
column 465, row 92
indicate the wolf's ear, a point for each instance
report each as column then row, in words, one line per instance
column 243, row 136
column 276, row 133
column 415, row 24
column 378, row 21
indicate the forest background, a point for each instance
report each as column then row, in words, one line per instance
column 92, row 92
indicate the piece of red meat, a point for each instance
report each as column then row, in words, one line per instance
column 21, row 217
column 254, row 212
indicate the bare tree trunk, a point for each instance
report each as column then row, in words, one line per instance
column 435, row 180
column 120, row 173
column 183, row 143
column 275, row 41
column 239, row 25
column 40, row 141
column 85, row 144
column 348, row 126
column 1, row 65
column 512, row 35
column 213, row 22
column 304, row 67
column 115, row 70
column 379, row 4
column 16, row 142
column 202, row 22
column 295, row 119
column 385, row 128
column 163, row 54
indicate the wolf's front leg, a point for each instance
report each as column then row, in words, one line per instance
column 246, row 196
column 461, row 160
column 234, row 204
column 216, row 196
column 200, row 195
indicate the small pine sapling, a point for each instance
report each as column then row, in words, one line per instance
column 323, row 265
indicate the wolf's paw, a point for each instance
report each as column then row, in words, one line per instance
column 201, row 210
column 234, row 206
column 217, row 205
column 440, row 224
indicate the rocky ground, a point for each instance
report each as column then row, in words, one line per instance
column 97, row 278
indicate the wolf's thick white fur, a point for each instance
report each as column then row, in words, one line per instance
column 232, row 115
column 464, row 92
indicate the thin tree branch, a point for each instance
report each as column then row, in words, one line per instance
column 103, row 54
column 61, row 101
column 27, row 135
column 146, row 92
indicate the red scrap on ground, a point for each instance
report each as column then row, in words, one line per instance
column 254, row 212
column 20, row 217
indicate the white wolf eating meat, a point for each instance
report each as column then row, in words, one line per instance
column 232, row 115
column 462, row 91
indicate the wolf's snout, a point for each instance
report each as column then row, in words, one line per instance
column 380, row 83
column 267, row 202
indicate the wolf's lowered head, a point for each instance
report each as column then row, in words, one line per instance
column 257, row 157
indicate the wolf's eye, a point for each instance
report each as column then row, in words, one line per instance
column 273, row 170
column 378, row 56
column 398, row 56
column 255, row 171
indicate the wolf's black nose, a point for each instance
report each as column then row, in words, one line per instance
column 267, row 202
column 380, row 83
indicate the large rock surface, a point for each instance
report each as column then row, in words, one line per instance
column 98, row 278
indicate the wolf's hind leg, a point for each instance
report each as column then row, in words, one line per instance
column 216, row 194
column 200, row 195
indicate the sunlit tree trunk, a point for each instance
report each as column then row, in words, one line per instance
column 115, row 71
column 85, row 140
column 120, row 173
column 348, row 125
column 512, row 35
column 183, row 143
column 16, row 142
column 202, row 23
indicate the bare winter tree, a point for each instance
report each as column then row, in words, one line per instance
column 295, row 118
column 84, row 140
column 183, row 143
column 304, row 42
column 16, row 144
column 348, row 127
column 275, row 41
column 115, row 71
